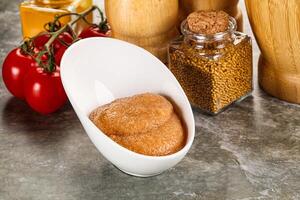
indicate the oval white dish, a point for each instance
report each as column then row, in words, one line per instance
column 95, row 71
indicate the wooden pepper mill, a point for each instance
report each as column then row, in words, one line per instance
column 150, row 24
column 276, row 26
column 229, row 6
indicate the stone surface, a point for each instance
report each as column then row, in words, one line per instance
column 249, row 152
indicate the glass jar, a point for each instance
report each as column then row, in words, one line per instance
column 36, row 13
column 214, row 70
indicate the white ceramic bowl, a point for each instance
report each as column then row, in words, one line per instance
column 95, row 71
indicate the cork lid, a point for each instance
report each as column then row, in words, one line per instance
column 208, row 22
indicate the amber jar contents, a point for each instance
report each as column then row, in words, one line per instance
column 36, row 13
column 214, row 70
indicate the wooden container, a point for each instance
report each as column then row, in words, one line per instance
column 229, row 6
column 150, row 24
column 276, row 25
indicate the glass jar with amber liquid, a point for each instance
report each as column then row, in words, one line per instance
column 36, row 13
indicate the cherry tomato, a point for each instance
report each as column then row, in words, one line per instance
column 59, row 44
column 44, row 91
column 41, row 40
column 64, row 37
column 59, row 54
column 15, row 67
column 60, row 47
column 92, row 31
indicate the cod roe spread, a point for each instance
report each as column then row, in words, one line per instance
column 144, row 123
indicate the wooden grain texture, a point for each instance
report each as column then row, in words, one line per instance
column 276, row 26
column 150, row 24
column 229, row 6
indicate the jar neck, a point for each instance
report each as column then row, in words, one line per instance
column 204, row 40
column 54, row 2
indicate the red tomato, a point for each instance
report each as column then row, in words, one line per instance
column 41, row 40
column 58, row 45
column 92, row 31
column 59, row 54
column 64, row 37
column 44, row 91
column 15, row 67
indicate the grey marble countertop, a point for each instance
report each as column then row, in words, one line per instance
column 249, row 152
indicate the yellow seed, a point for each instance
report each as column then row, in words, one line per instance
column 209, row 84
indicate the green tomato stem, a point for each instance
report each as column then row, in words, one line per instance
column 56, row 34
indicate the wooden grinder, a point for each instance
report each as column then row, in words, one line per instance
column 229, row 6
column 276, row 26
column 150, row 24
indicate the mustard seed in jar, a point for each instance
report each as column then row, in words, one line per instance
column 214, row 67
